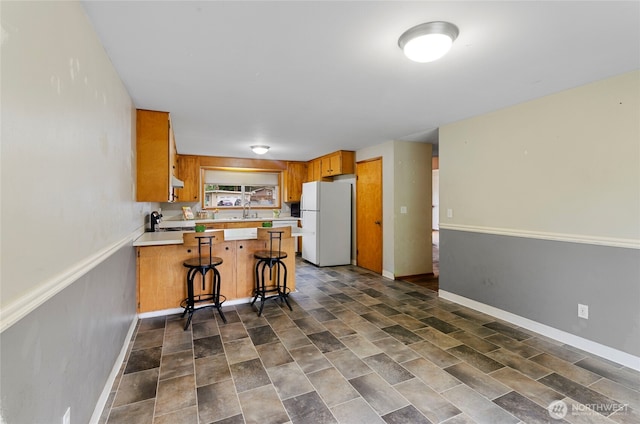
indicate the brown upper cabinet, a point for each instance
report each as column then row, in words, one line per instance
column 293, row 177
column 189, row 172
column 155, row 157
column 313, row 170
column 336, row 163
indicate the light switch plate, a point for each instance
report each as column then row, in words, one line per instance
column 403, row 209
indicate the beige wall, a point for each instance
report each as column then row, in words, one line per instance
column 412, row 189
column 68, row 155
column 565, row 166
column 406, row 181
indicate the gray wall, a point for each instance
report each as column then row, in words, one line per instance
column 62, row 353
column 545, row 280
column 563, row 167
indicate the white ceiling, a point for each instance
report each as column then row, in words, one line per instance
column 312, row 77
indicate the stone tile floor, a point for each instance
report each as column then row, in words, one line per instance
column 359, row 348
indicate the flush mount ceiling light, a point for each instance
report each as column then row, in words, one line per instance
column 428, row 42
column 260, row 149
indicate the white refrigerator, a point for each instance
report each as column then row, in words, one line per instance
column 325, row 210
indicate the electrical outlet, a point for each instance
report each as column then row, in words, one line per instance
column 403, row 209
column 66, row 418
column 449, row 213
column 583, row 311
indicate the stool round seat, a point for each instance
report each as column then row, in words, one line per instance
column 268, row 254
column 202, row 262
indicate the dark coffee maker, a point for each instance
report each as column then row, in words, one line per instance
column 154, row 220
column 295, row 210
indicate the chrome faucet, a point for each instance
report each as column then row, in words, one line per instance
column 246, row 210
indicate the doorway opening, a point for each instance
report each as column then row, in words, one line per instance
column 431, row 281
column 435, row 213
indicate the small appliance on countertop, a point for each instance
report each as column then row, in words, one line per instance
column 154, row 221
column 295, row 210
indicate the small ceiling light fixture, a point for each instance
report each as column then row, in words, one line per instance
column 428, row 42
column 260, row 149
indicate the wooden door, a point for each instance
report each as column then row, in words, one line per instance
column 369, row 214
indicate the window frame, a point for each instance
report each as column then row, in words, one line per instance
column 278, row 187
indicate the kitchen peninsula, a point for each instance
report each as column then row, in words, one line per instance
column 161, row 276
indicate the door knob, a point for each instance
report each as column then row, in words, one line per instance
column 378, row 223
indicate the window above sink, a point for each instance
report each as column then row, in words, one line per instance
column 231, row 189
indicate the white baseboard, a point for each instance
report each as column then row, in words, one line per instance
column 388, row 274
column 601, row 350
column 172, row 311
column 104, row 396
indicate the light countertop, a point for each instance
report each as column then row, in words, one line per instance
column 259, row 219
column 160, row 238
column 178, row 222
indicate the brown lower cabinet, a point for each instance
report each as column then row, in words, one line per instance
column 162, row 278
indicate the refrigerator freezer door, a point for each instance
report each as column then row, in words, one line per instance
column 310, row 237
column 310, row 196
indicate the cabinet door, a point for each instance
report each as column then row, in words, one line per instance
column 227, row 252
column 155, row 156
column 245, row 266
column 290, row 261
column 314, row 170
column 347, row 162
column 173, row 154
column 293, row 177
column 189, row 172
column 309, row 172
column 331, row 165
column 338, row 163
column 161, row 276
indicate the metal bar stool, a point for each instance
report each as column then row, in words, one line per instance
column 274, row 286
column 202, row 264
